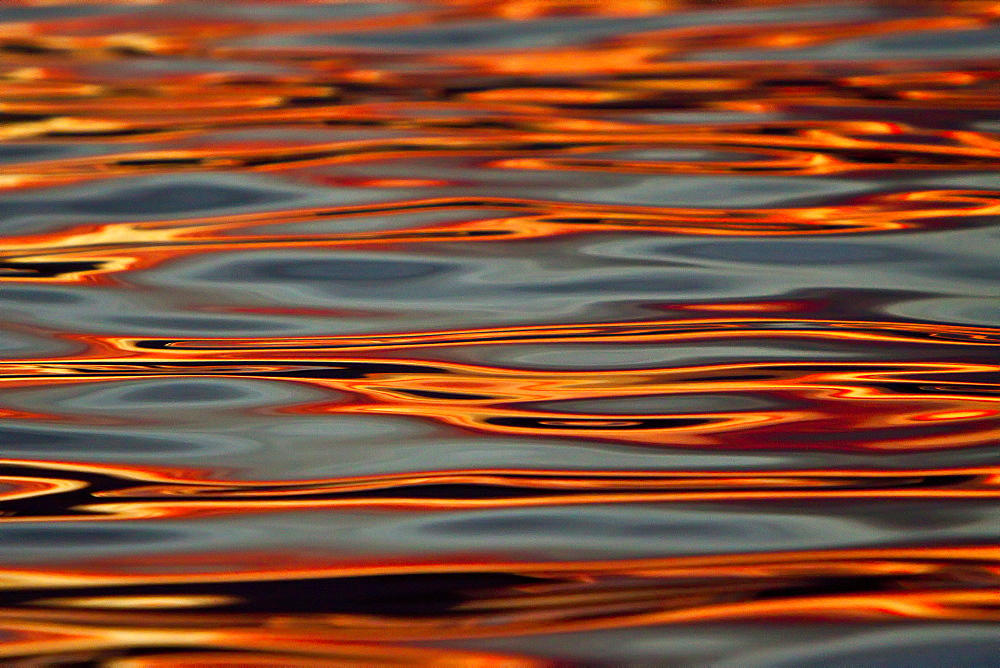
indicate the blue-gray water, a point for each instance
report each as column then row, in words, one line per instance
column 508, row 333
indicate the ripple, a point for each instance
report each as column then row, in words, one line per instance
column 959, row 647
column 520, row 332
column 797, row 253
column 983, row 311
column 548, row 33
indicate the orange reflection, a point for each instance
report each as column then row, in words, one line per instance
column 500, row 598
column 94, row 98
column 86, row 253
column 87, row 492
column 852, row 401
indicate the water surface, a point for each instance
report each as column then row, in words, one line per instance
column 499, row 333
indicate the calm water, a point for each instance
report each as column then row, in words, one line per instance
column 508, row 333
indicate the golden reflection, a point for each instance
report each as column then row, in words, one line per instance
column 957, row 583
column 136, row 602
column 85, row 253
column 81, row 492
column 858, row 401
column 444, row 143
column 646, row 331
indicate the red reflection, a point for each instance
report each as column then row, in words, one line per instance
column 174, row 89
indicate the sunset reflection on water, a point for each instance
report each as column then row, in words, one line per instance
column 511, row 333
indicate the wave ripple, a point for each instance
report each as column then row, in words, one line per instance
column 499, row 333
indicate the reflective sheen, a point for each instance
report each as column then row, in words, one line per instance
column 520, row 333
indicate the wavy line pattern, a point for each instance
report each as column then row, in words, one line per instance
column 522, row 333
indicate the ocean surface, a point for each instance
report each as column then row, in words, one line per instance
column 500, row 333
